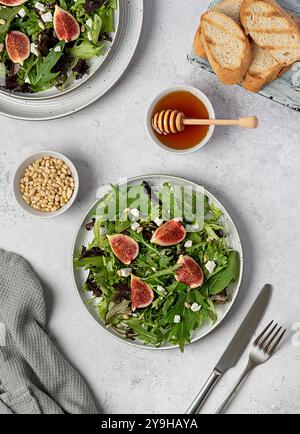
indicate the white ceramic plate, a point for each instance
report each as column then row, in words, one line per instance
column 130, row 20
column 83, row 237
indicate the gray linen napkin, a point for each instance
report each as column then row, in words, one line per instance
column 34, row 376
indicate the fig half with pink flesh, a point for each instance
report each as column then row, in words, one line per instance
column 65, row 25
column 169, row 234
column 17, row 46
column 142, row 294
column 12, row 2
column 189, row 272
column 125, row 248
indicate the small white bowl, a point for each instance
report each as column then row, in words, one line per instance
column 183, row 88
column 20, row 173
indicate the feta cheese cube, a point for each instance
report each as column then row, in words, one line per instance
column 196, row 307
column 22, row 13
column 89, row 22
column 33, row 49
column 188, row 243
column 177, row 319
column 160, row 289
column 192, row 228
column 134, row 212
column 158, row 221
column 39, row 6
column 210, row 266
column 125, row 272
column 47, row 17
column 135, row 226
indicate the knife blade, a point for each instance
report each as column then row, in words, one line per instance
column 235, row 348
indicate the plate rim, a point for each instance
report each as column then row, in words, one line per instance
column 167, row 346
column 86, row 84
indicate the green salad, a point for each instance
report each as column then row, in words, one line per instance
column 48, row 43
column 154, row 276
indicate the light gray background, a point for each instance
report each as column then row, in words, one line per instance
column 255, row 174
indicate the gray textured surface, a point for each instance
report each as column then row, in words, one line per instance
column 286, row 89
column 255, row 174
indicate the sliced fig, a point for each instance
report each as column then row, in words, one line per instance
column 66, row 27
column 169, row 234
column 12, row 2
column 190, row 272
column 142, row 294
column 125, row 248
column 17, row 46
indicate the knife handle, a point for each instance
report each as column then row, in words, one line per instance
column 204, row 392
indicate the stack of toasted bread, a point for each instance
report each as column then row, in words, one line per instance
column 251, row 42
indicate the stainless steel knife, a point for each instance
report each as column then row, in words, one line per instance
column 235, row 349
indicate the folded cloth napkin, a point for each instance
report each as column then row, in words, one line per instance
column 34, row 376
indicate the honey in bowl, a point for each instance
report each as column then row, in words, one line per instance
column 192, row 107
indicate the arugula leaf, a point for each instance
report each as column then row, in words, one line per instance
column 223, row 278
column 7, row 14
column 40, row 75
column 86, row 50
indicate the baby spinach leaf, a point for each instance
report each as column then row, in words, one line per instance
column 223, row 278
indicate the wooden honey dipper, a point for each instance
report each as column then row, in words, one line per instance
column 173, row 121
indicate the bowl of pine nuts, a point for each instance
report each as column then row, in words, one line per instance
column 46, row 184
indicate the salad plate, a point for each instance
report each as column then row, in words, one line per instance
column 104, row 73
column 74, row 62
column 176, row 314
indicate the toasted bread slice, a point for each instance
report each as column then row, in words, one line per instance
column 226, row 46
column 263, row 69
column 272, row 28
column 231, row 8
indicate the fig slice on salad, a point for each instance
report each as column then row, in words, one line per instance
column 125, row 248
column 142, row 294
column 12, row 2
column 169, row 234
column 189, row 272
column 65, row 25
column 17, row 46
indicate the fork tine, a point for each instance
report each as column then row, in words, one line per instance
column 272, row 339
column 262, row 333
column 271, row 351
column 261, row 344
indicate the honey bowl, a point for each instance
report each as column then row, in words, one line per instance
column 194, row 104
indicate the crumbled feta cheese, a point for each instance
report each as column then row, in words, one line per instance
column 160, row 288
column 39, row 6
column 134, row 212
column 188, row 243
column 178, row 219
column 135, row 226
column 2, row 22
column 47, row 17
column 89, row 35
column 158, row 221
column 196, row 307
column 125, row 272
column 102, row 231
column 22, row 13
column 33, row 49
column 89, row 22
column 27, row 80
column 177, row 319
column 210, row 266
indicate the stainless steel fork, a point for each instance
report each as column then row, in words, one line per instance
column 262, row 349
